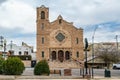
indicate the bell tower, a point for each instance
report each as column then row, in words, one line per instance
column 42, row 18
column 42, row 23
column 42, row 13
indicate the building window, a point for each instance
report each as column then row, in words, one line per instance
column 20, row 52
column 67, row 55
column 42, row 40
column 11, row 52
column 60, row 37
column 31, row 50
column 53, row 55
column 42, row 15
column 60, row 21
column 42, row 54
column 77, row 40
column 25, row 52
column 77, row 54
column 42, row 26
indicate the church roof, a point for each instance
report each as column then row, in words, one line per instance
column 42, row 6
column 60, row 17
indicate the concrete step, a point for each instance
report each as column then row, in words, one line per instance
column 58, row 64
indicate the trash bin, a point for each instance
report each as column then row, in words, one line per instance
column 33, row 63
column 107, row 73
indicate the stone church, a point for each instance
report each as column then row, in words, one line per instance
column 59, row 42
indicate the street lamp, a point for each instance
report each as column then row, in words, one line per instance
column 11, row 46
column 4, row 48
column 86, row 46
column 93, row 50
column 1, row 42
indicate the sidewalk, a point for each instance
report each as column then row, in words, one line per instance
column 6, row 77
column 105, row 78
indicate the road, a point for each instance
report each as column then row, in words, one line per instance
column 76, row 72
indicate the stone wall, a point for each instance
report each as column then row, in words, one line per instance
column 27, row 63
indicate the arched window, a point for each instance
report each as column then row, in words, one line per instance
column 42, row 15
column 60, row 55
column 77, row 40
column 67, row 55
column 25, row 52
column 42, row 54
column 77, row 54
column 53, row 55
column 20, row 52
column 60, row 21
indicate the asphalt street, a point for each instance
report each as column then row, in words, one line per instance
column 77, row 72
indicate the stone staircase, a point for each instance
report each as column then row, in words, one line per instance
column 64, row 64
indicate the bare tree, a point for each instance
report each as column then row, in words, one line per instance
column 108, row 53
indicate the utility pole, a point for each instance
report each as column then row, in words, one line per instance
column 116, row 37
column 93, row 36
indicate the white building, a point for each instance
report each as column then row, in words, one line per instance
column 24, row 49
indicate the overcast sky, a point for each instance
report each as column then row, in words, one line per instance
column 18, row 18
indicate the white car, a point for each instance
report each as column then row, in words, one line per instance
column 116, row 66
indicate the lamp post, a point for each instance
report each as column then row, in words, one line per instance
column 93, row 51
column 86, row 46
column 11, row 52
column 4, row 48
column 11, row 45
column 1, row 42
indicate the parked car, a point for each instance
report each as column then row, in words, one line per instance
column 116, row 66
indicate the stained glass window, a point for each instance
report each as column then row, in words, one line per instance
column 60, row 37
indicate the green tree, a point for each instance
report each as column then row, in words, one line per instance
column 1, row 64
column 109, row 54
column 13, row 66
column 42, row 68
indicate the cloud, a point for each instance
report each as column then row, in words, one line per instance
column 17, row 22
column 18, row 36
column 85, row 12
column 2, row 1
column 105, row 32
column 18, row 17
column 14, row 33
column 15, row 13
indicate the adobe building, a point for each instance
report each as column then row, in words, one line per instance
column 59, row 42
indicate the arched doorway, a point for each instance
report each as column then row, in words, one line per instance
column 53, row 55
column 67, row 55
column 60, row 55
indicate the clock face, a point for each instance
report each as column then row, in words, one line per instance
column 60, row 37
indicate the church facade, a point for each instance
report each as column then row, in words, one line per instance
column 59, row 42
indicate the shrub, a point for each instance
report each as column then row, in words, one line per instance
column 22, row 57
column 1, row 64
column 42, row 68
column 13, row 66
